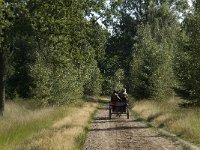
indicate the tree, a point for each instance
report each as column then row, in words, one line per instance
column 188, row 63
column 22, row 48
column 4, row 24
column 53, row 48
column 69, row 48
column 153, row 58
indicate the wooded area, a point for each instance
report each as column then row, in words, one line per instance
column 60, row 50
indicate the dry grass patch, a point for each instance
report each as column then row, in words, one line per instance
column 63, row 134
column 184, row 122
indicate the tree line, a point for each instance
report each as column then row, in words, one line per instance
column 155, row 43
column 49, row 50
column 58, row 51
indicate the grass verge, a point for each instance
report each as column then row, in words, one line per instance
column 80, row 139
column 67, row 133
column 20, row 123
column 184, row 122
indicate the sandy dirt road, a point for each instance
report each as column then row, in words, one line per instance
column 123, row 134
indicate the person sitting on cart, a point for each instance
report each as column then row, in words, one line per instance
column 114, row 99
column 124, row 99
column 123, row 95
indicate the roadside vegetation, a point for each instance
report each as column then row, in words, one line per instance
column 172, row 116
column 67, row 133
column 21, row 123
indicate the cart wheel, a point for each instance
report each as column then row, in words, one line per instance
column 110, row 113
column 127, row 114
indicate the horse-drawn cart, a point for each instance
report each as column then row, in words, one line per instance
column 118, row 108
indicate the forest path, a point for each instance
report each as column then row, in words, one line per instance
column 124, row 134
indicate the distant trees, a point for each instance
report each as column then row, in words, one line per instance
column 146, row 43
column 156, row 43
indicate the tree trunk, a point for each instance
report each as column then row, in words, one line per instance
column 2, row 86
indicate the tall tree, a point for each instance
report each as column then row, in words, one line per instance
column 188, row 64
column 4, row 24
column 66, row 47
column 153, row 59
column 56, row 46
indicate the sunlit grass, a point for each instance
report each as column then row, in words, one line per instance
column 20, row 123
column 184, row 122
column 68, row 133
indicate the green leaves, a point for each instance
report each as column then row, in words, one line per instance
column 4, row 21
column 65, row 50
column 55, row 50
column 188, row 63
column 61, row 51
column 152, row 62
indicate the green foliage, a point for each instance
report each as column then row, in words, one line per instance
column 188, row 63
column 55, row 52
column 19, row 79
column 152, row 65
column 117, row 80
column 119, row 50
column 94, row 85
column 5, row 13
column 66, row 64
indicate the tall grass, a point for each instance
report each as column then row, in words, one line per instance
column 19, row 122
column 67, row 133
column 184, row 122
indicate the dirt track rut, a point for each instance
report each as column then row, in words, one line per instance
column 123, row 134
